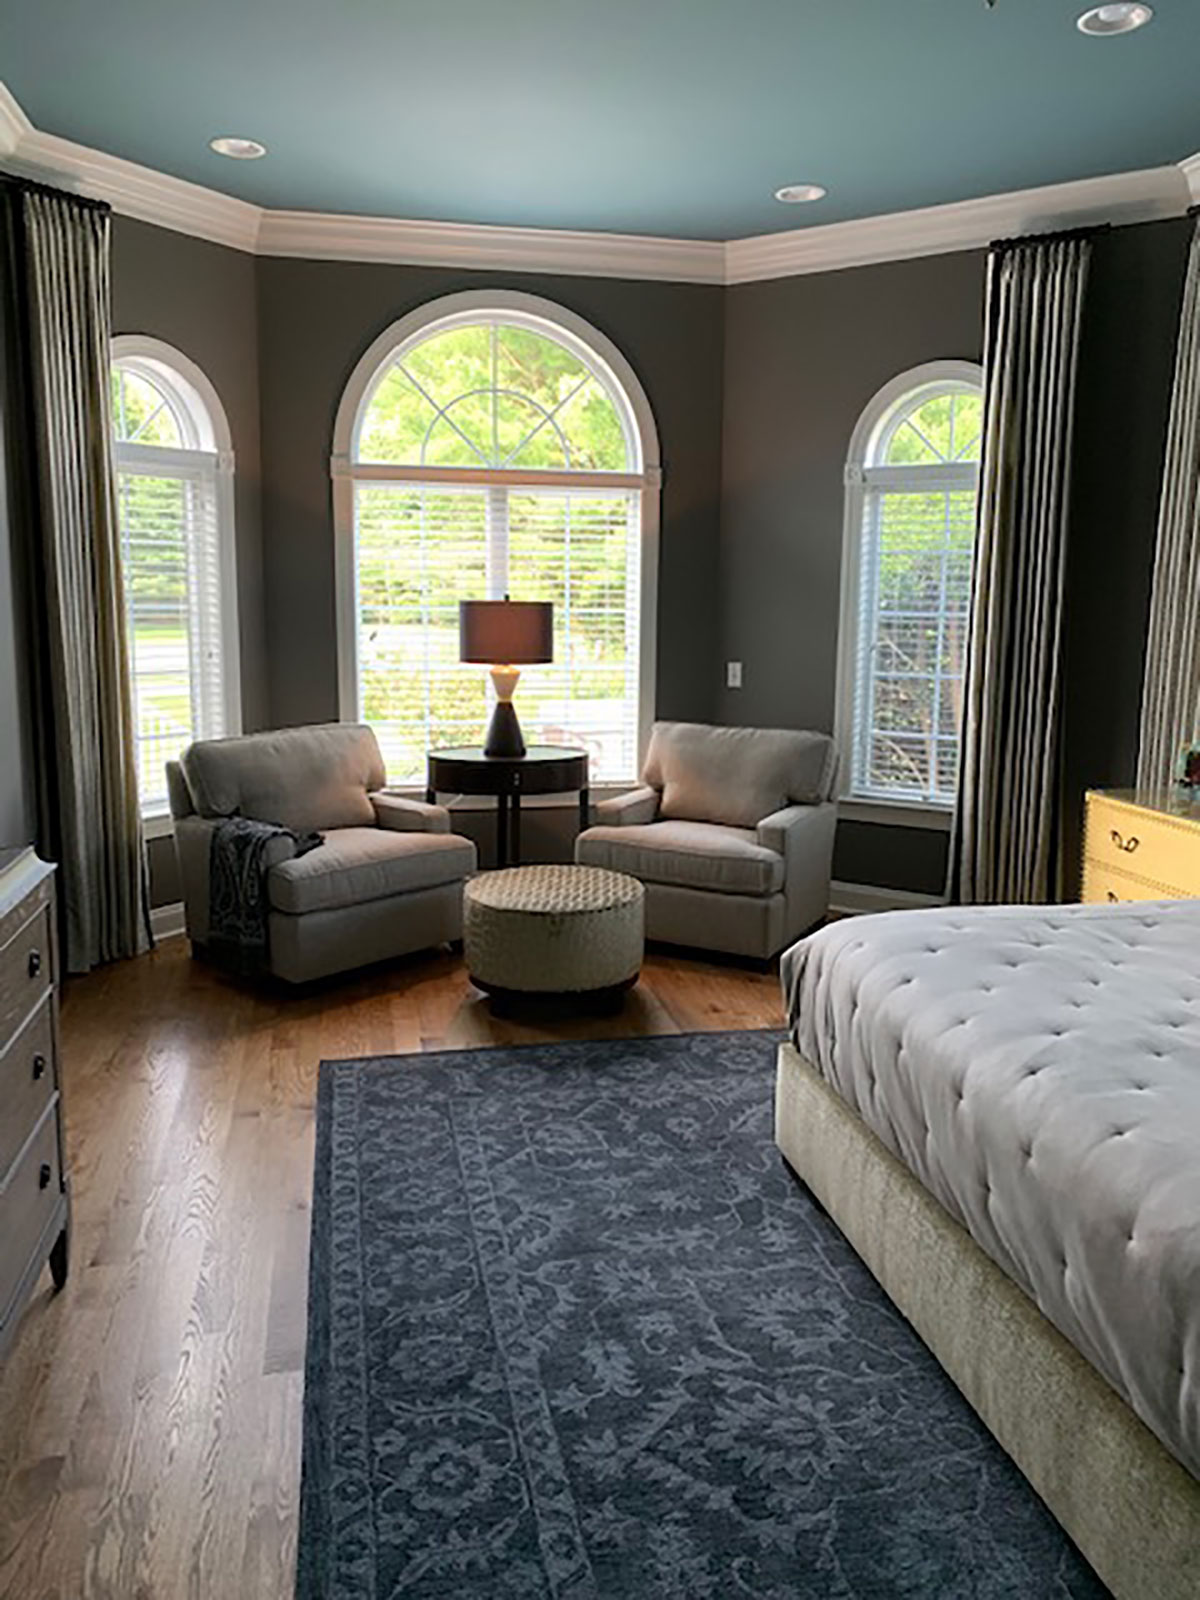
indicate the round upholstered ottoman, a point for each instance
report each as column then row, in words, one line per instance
column 554, row 930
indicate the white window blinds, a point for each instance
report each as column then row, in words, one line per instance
column 496, row 454
column 912, row 628
column 167, row 505
column 911, row 527
column 422, row 548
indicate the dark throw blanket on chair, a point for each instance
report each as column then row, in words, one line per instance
column 238, row 908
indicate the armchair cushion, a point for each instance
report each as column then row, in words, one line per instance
column 623, row 810
column 691, row 855
column 302, row 778
column 360, row 864
column 396, row 811
column 736, row 776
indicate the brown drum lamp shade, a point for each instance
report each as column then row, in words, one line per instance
column 505, row 635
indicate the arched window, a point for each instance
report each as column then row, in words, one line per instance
column 488, row 445
column 911, row 486
column 174, row 472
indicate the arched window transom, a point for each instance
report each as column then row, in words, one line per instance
column 492, row 448
column 912, row 484
column 174, row 502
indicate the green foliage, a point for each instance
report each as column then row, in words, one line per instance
column 141, row 414
column 492, row 395
column 944, row 429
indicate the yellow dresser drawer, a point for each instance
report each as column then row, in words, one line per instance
column 1103, row 884
column 1145, row 844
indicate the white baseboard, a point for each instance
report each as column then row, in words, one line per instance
column 166, row 922
column 857, row 899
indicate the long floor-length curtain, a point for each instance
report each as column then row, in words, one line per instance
column 1006, row 827
column 1171, row 685
column 59, row 440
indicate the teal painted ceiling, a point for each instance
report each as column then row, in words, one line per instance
column 671, row 117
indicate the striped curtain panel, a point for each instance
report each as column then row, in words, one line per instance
column 89, row 820
column 1171, row 686
column 1005, row 843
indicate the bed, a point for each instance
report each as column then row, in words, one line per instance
column 1001, row 1109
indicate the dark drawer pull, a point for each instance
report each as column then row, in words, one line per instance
column 1128, row 845
column 1115, row 898
column 39, row 1067
column 35, row 963
column 45, row 1173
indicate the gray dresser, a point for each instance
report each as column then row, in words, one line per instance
column 34, row 1201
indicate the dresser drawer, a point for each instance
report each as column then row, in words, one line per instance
column 1144, row 844
column 27, row 1205
column 25, row 974
column 1104, row 884
column 27, row 1082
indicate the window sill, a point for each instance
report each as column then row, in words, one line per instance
column 896, row 813
column 161, row 825
column 529, row 802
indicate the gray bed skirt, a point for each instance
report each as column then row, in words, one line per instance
column 1131, row 1508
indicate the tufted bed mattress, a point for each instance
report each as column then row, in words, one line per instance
column 1038, row 1070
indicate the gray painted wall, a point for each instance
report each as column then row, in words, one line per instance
column 803, row 356
column 1126, row 369
column 315, row 321
column 203, row 299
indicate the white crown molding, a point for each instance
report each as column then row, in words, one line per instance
column 131, row 189
column 14, row 124
column 325, row 237
column 138, row 191
column 964, row 225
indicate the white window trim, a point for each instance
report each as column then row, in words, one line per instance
column 875, row 417
column 597, row 349
column 204, row 416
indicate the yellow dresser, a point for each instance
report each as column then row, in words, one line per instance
column 1141, row 845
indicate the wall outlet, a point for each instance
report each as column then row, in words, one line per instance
column 733, row 674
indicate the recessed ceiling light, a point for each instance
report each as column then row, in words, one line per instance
column 799, row 194
column 238, row 149
column 1123, row 17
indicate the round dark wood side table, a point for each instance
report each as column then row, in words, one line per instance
column 543, row 769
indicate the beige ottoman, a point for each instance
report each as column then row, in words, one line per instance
column 554, row 930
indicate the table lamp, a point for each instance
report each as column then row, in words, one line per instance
column 505, row 635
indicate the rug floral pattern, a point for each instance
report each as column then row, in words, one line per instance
column 574, row 1332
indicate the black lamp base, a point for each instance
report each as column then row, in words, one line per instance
column 504, row 733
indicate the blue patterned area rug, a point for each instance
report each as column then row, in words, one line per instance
column 575, row 1331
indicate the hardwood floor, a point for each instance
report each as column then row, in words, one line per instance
column 150, row 1414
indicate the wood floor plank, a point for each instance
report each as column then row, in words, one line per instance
column 150, row 1414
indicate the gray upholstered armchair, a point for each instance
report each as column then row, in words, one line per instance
column 386, row 880
column 731, row 833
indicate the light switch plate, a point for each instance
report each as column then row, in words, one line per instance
column 733, row 674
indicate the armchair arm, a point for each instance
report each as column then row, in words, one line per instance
column 803, row 836
column 626, row 810
column 783, row 829
column 193, row 848
column 402, row 815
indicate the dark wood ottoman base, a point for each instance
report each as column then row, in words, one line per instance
column 548, row 1004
